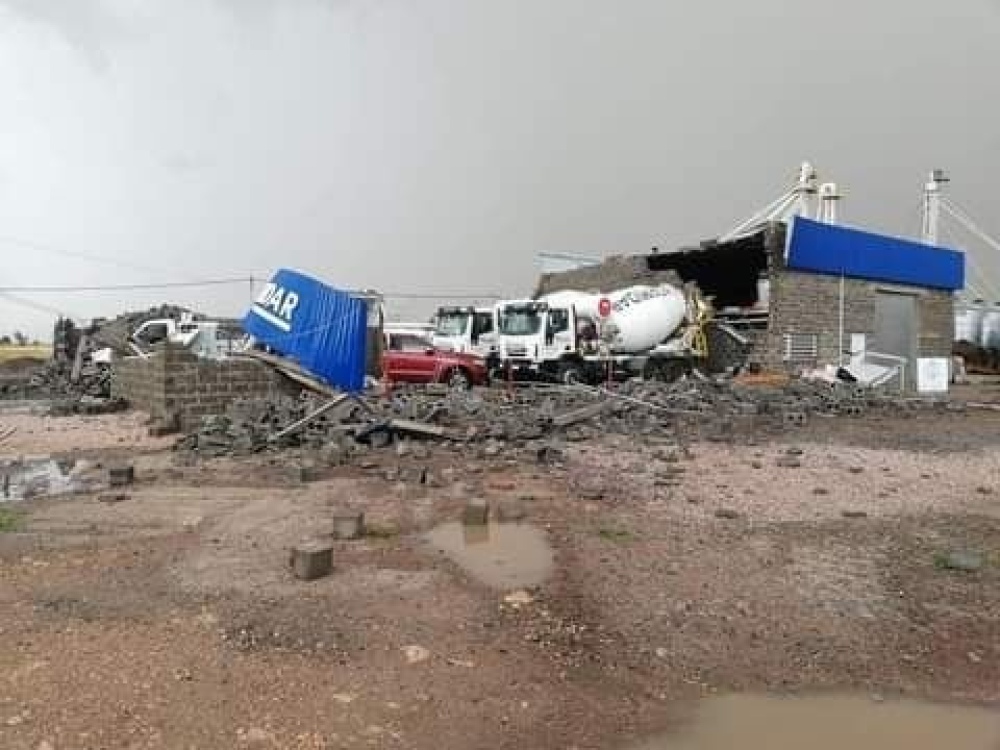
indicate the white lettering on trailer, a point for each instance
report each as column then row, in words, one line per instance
column 277, row 306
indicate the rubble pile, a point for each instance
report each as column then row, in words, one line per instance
column 55, row 381
column 116, row 332
column 525, row 414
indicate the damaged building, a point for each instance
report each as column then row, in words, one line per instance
column 809, row 294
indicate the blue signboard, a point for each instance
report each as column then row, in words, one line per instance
column 322, row 329
column 841, row 251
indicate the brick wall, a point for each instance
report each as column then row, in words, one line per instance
column 174, row 384
column 810, row 304
column 937, row 323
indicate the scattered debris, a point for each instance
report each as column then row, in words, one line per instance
column 349, row 526
column 416, row 654
column 519, row 598
column 113, row 499
column 121, row 476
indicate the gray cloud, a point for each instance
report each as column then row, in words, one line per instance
column 88, row 26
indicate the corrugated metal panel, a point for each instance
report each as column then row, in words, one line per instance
column 830, row 249
column 321, row 328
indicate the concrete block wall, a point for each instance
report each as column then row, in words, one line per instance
column 141, row 382
column 804, row 303
column 810, row 304
column 175, row 384
column 936, row 334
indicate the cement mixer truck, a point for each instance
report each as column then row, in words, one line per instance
column 577, row 337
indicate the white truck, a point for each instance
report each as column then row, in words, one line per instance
column 206, row 338
column 467, row 330
column 571, row 337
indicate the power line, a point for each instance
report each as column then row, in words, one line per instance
column 32, row 245
column 437, row 296
column 37, row 306
column 124, row 287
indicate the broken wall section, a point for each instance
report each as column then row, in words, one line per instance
column 177, row 388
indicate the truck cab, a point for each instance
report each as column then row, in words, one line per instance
column 541, row 339
column 466, row 330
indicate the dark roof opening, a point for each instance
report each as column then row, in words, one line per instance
column 727, row 272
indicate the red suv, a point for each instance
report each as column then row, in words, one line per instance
column 408, row 358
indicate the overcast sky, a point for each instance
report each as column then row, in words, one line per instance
column 438, row 145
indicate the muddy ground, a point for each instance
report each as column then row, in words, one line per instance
column 813, row 559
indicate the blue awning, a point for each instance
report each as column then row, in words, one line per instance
column 841, row 251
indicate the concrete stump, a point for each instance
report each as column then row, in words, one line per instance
column 311, row 560
column 476, row 513
column 121, row 476
column 349, row 526
column 308, row 474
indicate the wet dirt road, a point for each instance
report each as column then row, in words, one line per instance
column 645, row 578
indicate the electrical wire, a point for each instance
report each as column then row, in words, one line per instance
column 45, row 248
column 124, row 287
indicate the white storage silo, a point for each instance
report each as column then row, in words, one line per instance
column 990, row 338
column 969, row 322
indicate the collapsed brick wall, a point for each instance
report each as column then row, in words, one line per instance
column 614, row 273
column 175, row 387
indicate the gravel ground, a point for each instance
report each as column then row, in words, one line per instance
column 168, row 619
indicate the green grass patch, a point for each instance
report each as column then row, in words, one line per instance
column 10, row 520
column 40, row 353
column 618, row 536
column 381, row 530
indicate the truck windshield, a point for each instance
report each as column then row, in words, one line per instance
column 520, row 322
column 452, row 324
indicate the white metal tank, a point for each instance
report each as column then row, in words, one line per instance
column 644, row 316
column 969, row 323
column 586, row 303
column 991, row 327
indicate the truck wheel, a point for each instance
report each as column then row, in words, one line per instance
column 570, row 373
column 459, row 379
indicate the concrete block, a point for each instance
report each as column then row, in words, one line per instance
column 477, row 512
column 311, row 560
column 121, row 476
column 348, row 525
column 308, row 473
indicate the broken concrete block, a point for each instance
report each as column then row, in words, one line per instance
column 349, row 526
column 511, row 512
column 113, row 498
column 476, row 513
column 794, row 418
column 311, row 560
column 121, row 476
column 308, row 473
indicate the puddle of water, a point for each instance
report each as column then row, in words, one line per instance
column 831, row 723
column 27, row 478
column 501, row 555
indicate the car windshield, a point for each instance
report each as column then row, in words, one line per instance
column 520, row 322
column 452, row 324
